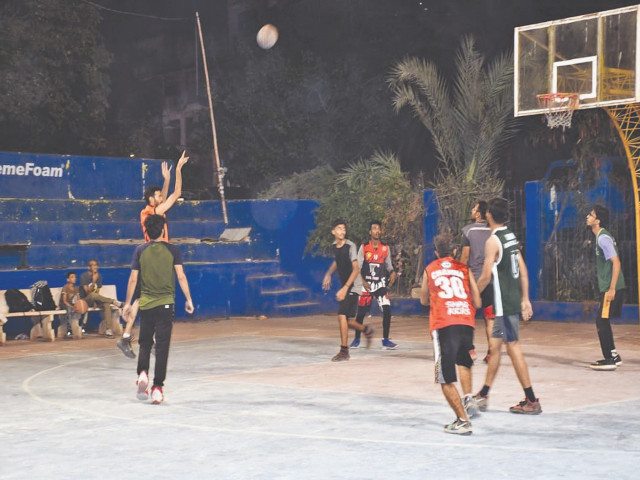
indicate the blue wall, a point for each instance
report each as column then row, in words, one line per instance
column 30, row 175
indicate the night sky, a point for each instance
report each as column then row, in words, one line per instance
column 376, row 32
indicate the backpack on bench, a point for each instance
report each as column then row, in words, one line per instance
column 17, row 301
column 42, row 298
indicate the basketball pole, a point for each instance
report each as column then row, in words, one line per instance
column 220, row 173
column 626, row 119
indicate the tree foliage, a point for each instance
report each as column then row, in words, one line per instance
column 53, row 67
column 374, row 189
column 469, row 120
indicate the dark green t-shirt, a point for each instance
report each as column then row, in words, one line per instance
column 604, row 266
column 506, row 275
column 155, row 261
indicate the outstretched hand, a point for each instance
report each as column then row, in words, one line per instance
column 183, row 159
column 166, row 170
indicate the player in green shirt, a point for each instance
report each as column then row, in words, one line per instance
column 610, row 285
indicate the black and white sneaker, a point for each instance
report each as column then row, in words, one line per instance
column 618, row 360
column 458, row 426
column 604, row 364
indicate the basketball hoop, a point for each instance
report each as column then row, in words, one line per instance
column 559, row 108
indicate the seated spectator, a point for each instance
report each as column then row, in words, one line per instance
column 90, row 285
column 68, row 297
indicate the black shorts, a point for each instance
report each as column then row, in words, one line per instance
column 615, row 309
column 349, row 305
column 451, row 347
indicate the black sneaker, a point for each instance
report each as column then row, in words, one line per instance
column 604, row 364
column 618, row 360
column 124, row 344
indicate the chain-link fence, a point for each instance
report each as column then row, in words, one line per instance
column 569, row 272
column 568, row 269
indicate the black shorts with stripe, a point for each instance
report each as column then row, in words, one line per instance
column 451, row 347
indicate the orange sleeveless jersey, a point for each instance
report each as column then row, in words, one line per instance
column 449, row 294
column 149, row 210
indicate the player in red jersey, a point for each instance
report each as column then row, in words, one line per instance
column 374, row 261
column 449, row 287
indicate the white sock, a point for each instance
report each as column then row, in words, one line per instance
column 126, row 335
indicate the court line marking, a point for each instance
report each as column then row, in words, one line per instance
column 248, row 431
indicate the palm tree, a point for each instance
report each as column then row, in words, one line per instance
column 469, row 121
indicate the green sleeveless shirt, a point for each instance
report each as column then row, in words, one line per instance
column 506, row 275
column 604, row 267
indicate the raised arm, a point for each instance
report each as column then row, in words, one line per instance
column 177, row 191
column 166, row 174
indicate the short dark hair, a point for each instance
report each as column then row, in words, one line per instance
column 602, row 214
column 338, row 221
column 444, row 244
column 482, row 209
column 150, row 192
column 71, row 272
column 499, row 210
column 375, row 222
column 154, row 225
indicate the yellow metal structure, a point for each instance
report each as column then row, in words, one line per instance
column 626, row 118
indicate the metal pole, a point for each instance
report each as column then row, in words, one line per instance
column 219, row 171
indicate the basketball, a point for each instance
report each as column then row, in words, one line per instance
column 81, row 307
column 267, row 36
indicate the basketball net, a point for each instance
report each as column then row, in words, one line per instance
column 559, row 108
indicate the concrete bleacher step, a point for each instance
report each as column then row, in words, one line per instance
column 23, row 210
column 279, row 293
column 73, row 255
column 271, row 281
column 74, row 231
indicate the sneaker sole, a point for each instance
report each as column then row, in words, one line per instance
column 389, row 348
column 524, row 412
column 603, row 368
column 143, row 392
column 459, row 432
column 142, row 395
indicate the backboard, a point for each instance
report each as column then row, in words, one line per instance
column 595, row 56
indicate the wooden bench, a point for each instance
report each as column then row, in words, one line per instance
column 41, row 329
column 44, row 329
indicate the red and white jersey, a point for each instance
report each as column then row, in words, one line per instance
column 449, row 294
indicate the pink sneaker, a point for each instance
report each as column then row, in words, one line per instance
column 143, row 386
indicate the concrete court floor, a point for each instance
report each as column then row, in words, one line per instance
column 260, row 399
